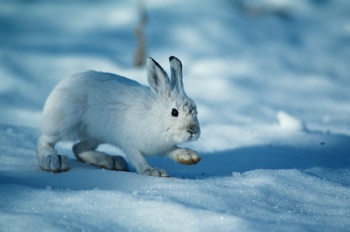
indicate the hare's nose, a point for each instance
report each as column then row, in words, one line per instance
column 192, row 129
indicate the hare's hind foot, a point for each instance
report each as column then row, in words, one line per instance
column 48, row 158
column 54, row 163
column 104, row 160
column 85, row 152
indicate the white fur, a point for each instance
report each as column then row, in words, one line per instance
column 95, row 107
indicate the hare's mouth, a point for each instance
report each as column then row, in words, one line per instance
column 193, row 135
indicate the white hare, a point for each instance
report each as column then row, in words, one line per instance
column 95, row 107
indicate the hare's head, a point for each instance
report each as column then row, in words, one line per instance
column 176, row 114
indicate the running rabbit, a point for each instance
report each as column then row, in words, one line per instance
column 96, row 107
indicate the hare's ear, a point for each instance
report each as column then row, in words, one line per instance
column 176, row 74
column 157, row 77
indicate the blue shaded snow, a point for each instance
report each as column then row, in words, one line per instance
column 271, row 82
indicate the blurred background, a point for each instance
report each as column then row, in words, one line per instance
column 244, row 60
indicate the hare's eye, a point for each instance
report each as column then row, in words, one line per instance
column 174, row 112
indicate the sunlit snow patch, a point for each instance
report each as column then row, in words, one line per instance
column 288, row 122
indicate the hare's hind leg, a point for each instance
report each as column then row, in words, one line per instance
column 85, row 152
column 49, row 159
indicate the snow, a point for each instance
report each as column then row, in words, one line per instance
column 270, row 79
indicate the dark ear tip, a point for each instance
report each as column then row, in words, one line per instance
column 151, row 61
column 173, row 58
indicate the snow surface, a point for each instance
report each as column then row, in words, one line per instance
column 271, row 81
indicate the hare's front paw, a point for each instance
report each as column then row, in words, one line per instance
column 155, row 172
column 186, row 156
column 55, row 163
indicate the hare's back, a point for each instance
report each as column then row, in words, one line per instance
column 98, row 79
column 114, row 87
column 92, row 84
column 83, row 90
